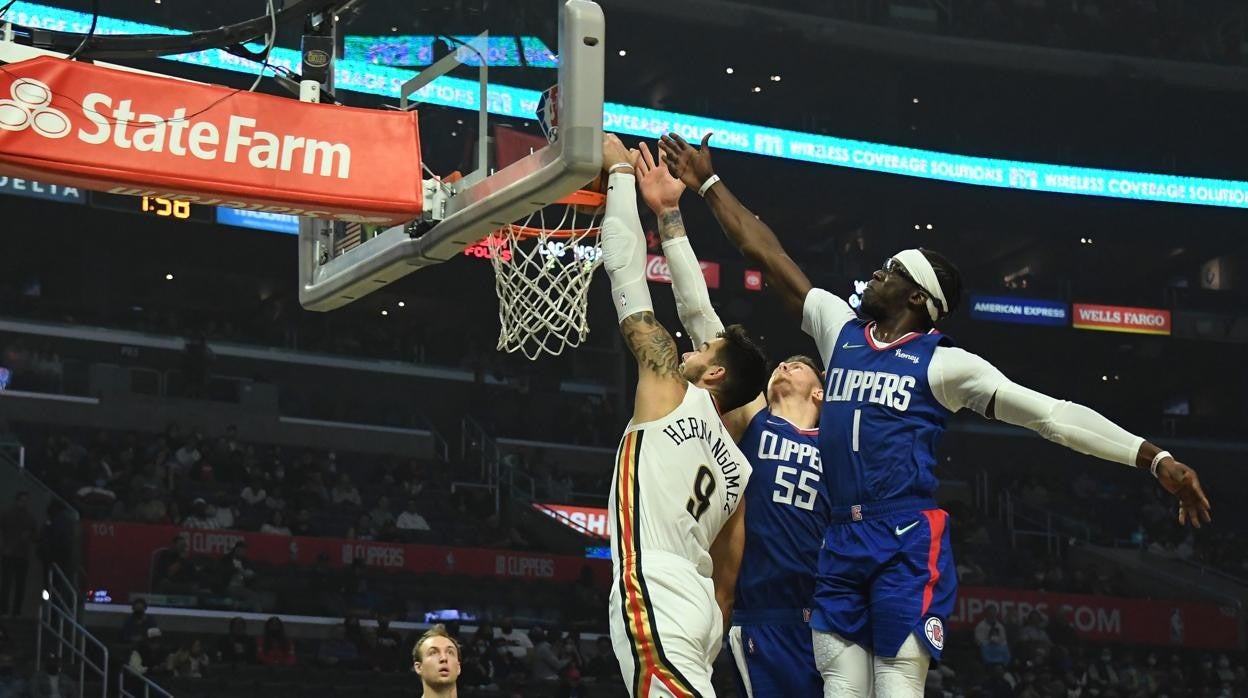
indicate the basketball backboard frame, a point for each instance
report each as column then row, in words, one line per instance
column 459, row 214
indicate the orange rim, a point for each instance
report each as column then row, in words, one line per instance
column 580, row 197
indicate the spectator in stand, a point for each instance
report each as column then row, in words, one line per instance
column 363, row 529
column 436, row 658
column 18, row 531
column 381, row 514
column 200, row 517
column 1061, row 632
column 151, row 508
column 388, row 645
column 1032, row 635
column 274, row 648
column 235, row 577
column 347, row 647
column 994, row 649
column 187, row 457
column 604, row 667
column 134, row 628
column 518, row 644
column 189, row 662
column 409, row 520
column 237, row 648
column 254, row 494
column 175, row 572
column 478, row 664
column 345, row 493
column 547, row 664
column 150, row 656
column 276, row 525
column 51, row 683
column 991, row 621
column 226, row 514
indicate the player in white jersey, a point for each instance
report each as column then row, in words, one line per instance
column 676, row 492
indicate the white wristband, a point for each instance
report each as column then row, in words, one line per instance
column 710, row 182
column 1157, row 461
column 617, row 166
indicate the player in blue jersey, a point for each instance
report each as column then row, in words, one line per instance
column 769, row 600
column 886, row 580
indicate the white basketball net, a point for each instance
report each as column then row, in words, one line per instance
column 542, row 275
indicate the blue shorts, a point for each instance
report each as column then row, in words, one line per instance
column 773, row 656
column 886, row 571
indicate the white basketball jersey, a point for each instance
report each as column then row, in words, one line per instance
column 677, row 480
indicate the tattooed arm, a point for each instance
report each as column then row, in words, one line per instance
column 660, row 385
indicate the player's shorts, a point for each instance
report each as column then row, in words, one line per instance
column 886, row 571
column 666, row 627
column 772, row 654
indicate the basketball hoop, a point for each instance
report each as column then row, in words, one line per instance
column 542, row 271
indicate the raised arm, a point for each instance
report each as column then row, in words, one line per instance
column 661, row 192
column 752, row 236
column 660, row 386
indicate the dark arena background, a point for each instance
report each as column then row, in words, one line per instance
column 178, row 434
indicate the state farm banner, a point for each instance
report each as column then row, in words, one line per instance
column 1109, row 619
column 120, row 556
column 592, row 521
column 86, row 126
column 657, row 270
column 1113, row 318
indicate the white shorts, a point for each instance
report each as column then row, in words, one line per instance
column 666, row 628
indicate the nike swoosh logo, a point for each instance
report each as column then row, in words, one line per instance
column 847, row 345
column 901, row 531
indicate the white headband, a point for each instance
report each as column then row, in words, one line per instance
column 924, row 275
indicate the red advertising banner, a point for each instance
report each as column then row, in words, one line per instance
column 1112, row 318
column 83, row 125
column 591, row 521
column 657, row 270
column 1109, row 619
column 753, row 280
column 120, row 556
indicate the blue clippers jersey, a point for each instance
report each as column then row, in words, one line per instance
column 880, row 422
column 786, row 514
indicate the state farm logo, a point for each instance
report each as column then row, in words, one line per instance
column 120, row 125
column 30, row 108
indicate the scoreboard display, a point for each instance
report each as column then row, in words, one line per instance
column 155, row 207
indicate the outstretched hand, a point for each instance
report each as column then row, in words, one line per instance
column 660, row 190
column 689, row 164
column 1182, row 482
column 614, row 152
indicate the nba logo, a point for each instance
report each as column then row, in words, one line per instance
column 855, row 512
column 750, row 643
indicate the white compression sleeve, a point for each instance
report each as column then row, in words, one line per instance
column 1073, row 426
column 693, row 301
column 624, row 247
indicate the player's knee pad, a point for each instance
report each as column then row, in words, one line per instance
column 905, row 675
column 845, row 666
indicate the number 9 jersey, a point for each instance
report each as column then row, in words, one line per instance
column 677, row 481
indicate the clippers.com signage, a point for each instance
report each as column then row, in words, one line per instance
column 121, row 557
column 82, row 125
column 1112, row 318
column 592, row 521
column 657, row 270
column 1108, row 619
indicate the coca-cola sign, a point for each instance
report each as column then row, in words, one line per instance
column 657, row 270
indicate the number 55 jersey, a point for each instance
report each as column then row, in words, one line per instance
column 677, row 481
column 786, row 515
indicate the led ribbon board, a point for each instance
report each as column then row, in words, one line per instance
column 359, row 76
